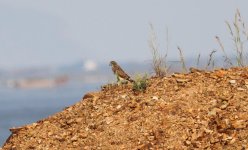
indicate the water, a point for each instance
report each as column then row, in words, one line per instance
column 19, row 106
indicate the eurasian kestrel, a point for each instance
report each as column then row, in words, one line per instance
column 120, row 74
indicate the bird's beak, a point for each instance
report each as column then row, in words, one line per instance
column 110, row 64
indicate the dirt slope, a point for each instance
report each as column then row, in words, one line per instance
column 185, row 111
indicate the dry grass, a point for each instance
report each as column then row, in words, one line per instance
column 182, row 59
column 239, row 34
column 211, row 60
column 198, row 60
column 159, row 61
column 227, row 60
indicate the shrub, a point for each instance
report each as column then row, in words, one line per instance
column 140, row 83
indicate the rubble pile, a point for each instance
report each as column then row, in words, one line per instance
column 200, row 109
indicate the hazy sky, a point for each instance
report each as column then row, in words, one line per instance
column 55, row 32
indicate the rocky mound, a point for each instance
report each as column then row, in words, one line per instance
column 185, row 111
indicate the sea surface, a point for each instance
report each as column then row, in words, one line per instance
column 19, row 107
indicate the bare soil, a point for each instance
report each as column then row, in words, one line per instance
column 198, row 110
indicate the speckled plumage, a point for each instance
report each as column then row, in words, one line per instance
column 119, row 72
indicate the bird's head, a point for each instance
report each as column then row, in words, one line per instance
column 112, row 63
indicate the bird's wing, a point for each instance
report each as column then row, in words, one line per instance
column 120, row 72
